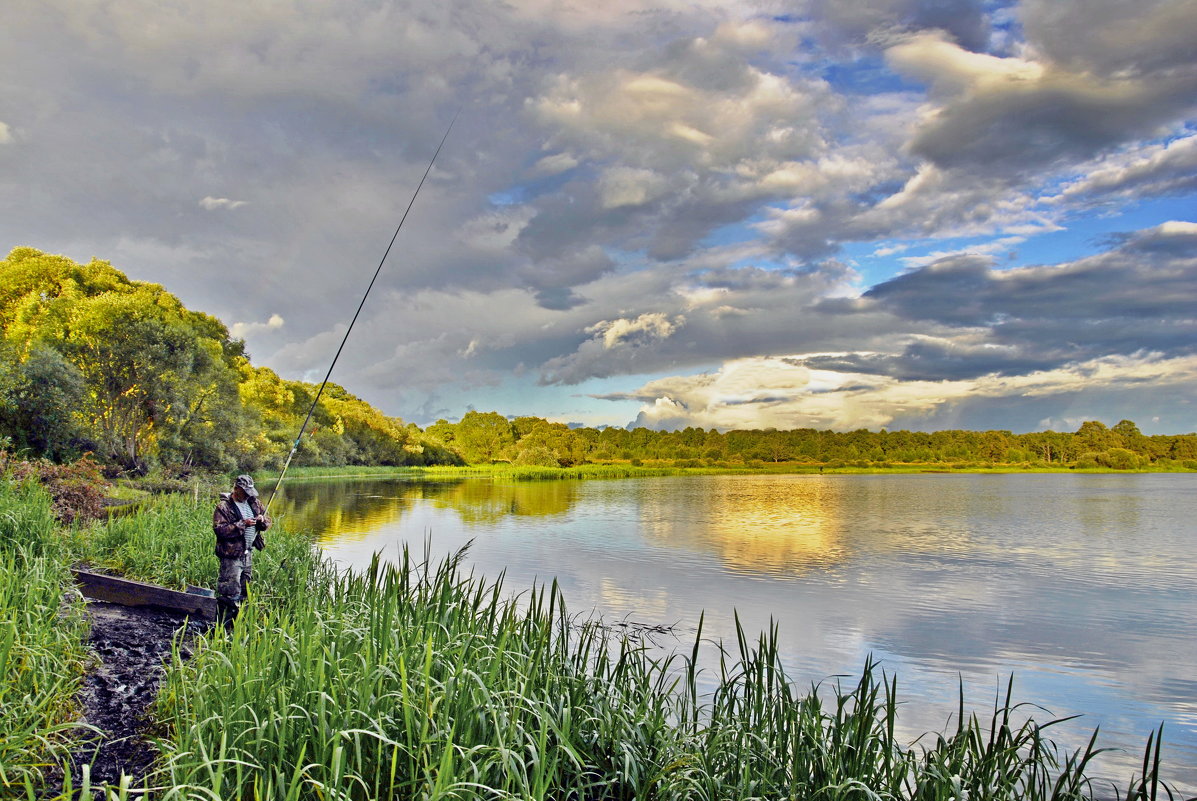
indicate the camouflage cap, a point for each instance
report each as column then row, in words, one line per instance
column 246, row 483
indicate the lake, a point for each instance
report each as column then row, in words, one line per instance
column 1082, row 586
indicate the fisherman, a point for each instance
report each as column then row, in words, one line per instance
column 238, row 521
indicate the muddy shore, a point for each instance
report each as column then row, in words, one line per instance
column 132, row 647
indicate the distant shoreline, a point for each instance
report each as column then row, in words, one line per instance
column 651, row 469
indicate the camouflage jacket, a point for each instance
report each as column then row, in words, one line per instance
column 230, row 539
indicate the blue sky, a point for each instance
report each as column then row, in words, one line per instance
column 861, row 213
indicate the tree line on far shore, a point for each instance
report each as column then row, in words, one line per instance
column 482, row 437
column 93, row 363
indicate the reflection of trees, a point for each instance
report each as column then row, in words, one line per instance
column 487, row 502
column 334, row 509
column 330, row 509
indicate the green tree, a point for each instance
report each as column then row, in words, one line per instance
column 483, row 436
column 154, row 374
column 39, row 399
column 1093, row 436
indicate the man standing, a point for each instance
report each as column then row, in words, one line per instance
column 238, row 521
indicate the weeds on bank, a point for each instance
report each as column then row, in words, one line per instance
column 41, row 638
column 416, row 681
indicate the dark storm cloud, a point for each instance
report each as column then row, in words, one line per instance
column 1059, row 119
column 1149, row 37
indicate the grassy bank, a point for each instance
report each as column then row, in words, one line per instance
column 422, row 681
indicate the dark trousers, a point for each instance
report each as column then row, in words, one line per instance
column 232, row 583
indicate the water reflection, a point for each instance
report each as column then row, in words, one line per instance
column 753, row 526
column 1079, row 585
column 351, row 509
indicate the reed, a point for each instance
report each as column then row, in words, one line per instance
column 422, row 681
column 170, row 542
column 41, row 651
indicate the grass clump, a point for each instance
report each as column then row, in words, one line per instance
column 41, row 638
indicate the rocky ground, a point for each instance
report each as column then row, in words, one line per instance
column 132, row 646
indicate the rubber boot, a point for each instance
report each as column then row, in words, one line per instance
column 226, row 610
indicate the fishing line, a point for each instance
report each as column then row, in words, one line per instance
column 319, row 392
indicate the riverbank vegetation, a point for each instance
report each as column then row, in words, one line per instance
column 174, row 391
column 175, row 394
column 424, row 680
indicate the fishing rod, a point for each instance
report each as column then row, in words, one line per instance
column 319, row 392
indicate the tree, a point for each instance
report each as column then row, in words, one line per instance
column 39, row 399
column 483, row 436
column 155, row 375
column 1093, row 436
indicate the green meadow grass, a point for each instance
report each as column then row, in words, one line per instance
column 421, row 680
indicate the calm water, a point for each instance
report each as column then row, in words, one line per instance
column 1084, row 587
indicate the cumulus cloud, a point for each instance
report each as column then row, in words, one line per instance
column 859, row 20
column 614, row 347
column 627, row 186
column 1155, row 170
column 242, row 330
column 555, row 163
column 1015, row 114
column 788, row 395
column 5, row 133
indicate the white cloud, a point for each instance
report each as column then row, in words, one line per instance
column 780, row 392
column 932, row 57
column 673, row 181
column 5, row 133
column 554, row 164
column 643, row 329
column 1157, row 169
column 993, row 247
column 212, row 203
column 1183, row 228
column 243, row 330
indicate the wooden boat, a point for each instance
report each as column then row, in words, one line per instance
column 197, row 602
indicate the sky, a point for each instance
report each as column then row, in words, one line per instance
column 837, row 214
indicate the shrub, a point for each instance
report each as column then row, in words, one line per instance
column 77, row 489
column 1119, row 459
column 538, row 456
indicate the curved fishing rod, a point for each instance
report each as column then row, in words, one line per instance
column 319, row 392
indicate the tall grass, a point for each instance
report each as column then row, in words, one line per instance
column 416, row 681
column 41, row 650
column 170, row 542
